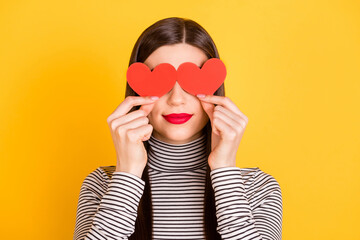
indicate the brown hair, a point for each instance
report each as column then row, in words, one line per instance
column 169, row 31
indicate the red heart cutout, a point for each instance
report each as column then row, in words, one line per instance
column 151, row 83
column 205, row 80
column 163, row 77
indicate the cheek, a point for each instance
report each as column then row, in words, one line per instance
column 201, row 113
column 154, row 115
column 151, row 117
column 204, row 116
column 199, row 109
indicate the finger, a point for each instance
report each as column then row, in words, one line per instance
column 140, row 133
column 146, row 137
column 228, row 120
column 128, row 104
column 224, row 101
column 226, row 131
column 121, row 130
column 147, row 108
column 235, row 117
column 208, row 108
column 126, row 118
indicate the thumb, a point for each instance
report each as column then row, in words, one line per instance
column 208, row 108
column 147, row 108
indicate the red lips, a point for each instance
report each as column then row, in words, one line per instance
column 190, row 77
column 177, row 118
column 178, row 115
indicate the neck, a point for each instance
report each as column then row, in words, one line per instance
column 167, row 157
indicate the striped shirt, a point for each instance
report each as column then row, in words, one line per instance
column 248, row 201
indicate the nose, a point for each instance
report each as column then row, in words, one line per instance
column 177, row 95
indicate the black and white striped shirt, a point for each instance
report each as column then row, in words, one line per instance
column 248, row 200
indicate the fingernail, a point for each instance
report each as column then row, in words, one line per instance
column 154, row 97
column 201, row 95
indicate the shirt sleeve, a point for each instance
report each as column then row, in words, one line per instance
column 108, row 213
column 236, row 217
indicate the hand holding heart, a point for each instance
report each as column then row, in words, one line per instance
column 228, row 125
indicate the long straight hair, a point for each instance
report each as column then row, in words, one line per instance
column 170, row 31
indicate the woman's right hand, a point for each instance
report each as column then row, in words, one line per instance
column 128, row 131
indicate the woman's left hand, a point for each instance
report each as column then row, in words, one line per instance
column 228, row 125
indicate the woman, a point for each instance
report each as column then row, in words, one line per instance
column 177, row 180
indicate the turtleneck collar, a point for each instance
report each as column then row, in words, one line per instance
column 167, row 157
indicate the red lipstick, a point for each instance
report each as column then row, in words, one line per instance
column 177, row 118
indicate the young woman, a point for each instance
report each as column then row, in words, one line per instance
column 177, row 180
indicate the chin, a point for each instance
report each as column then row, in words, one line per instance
column 179, row 135
column 176, row 136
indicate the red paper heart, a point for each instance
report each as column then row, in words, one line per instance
column 205, row 80
column 151, row 83
column 191, row 78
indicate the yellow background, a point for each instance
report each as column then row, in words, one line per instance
column 293, row 69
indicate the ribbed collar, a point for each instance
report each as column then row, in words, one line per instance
column 168, row 157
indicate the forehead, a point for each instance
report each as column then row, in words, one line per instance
column 175, row 55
